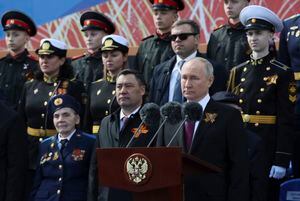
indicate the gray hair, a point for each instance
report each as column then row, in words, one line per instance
column 209, row 69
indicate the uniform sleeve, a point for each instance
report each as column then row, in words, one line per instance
column 239, row 165
column 285, row 117
column 93, row 175
column 17, row 160
column 283, row 55
column 211, row 46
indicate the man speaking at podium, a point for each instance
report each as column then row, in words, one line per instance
column 218, row 139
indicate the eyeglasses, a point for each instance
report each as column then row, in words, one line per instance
column 182, row 36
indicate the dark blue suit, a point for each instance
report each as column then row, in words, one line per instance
column 63, row 177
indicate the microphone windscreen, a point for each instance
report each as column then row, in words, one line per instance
column 192, row 110
column 173, row 112
column 150, row 113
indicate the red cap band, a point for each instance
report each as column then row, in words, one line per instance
column 19, row 23
column 166, row 2
column 96, row 23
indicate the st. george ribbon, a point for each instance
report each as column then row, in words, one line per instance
column 172, row 113
column 149, row 115
column 192, row 112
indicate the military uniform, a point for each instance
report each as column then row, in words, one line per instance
column 289, row 53
column 102, row 102
column 63, row 175
column 152, row 51
column 33, row 108
column 88, row 67
column 228, row 45
column 14, row 72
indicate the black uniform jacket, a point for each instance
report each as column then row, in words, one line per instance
column 13, row 155
column 228, row 46
column 221, row 140
column 159, row 88
column 14, row 72
column 266, row 91
column 152, row 51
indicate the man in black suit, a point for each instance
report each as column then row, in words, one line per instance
column 165, row 84
column 117, row 129
column 218, row 138
column 13, row 155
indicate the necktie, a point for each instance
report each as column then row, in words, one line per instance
column 124, row 122
column 188, row 133
column 63, row 144
column 177, row 89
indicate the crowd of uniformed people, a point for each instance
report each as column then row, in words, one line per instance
column 56, row 110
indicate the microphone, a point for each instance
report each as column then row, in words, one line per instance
column 192, row 112
column 149, row 115
column 172, row 113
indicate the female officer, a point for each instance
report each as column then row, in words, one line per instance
column 264, row 87
column 102, row 92
column 54, row 77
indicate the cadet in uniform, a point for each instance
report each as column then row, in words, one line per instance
column 55, row 77
column 18, row 65
column 102, row 99
column 228, row 44
column 88, row 67
column 156, row 49
column 64, row 159
column 263, row 85
column 289, row 53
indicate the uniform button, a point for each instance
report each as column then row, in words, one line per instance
column 6, row 85
column 265, row 78
column 55, row 84
column 246, row 118
column 40, row 139
column 106, row 112
column 245, row 69
column 99, row 91
column 258, row 112
column 241, row 101
column 45, row 103
column 268, row 68
column 108, row 101
column 58, row 191
column 241, row 90
column 42, row 115
column 259, row 100
column 59, row 179
column 256, row 124
column 50, row 93
column 226, row 59
column 262, row 89
column 243, row 80
column 113, row 92
column 42, row 127
column 60, row 166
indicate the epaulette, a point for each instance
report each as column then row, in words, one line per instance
column 242, row 64
column 77, row 57
column 151, row 36
column 279, row 64
column 293, row 16
column 30, row 56
column 97, row 80
column 219, row 27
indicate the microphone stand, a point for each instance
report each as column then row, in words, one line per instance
column 136, row 132
column 154, row 136
column 177, row 131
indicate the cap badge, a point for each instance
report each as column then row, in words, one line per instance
column 160, row 1
column 253, row 20
column 108, row 42
column 12, row 22
column 88, row 22
column 58, row 101
column 46, row 46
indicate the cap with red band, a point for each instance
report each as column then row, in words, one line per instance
column 16, row 20
column 96, row 21
column 167, row 4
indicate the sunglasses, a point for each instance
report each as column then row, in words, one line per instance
column 182, row 36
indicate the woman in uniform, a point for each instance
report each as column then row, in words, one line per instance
column 54, row 77
column 102, row 100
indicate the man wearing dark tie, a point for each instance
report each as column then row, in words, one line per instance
column 218, row 138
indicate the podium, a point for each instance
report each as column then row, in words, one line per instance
column 151, row 174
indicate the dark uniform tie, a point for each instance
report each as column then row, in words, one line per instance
column 177, row 89
column 63, row 144
column 189, row 131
